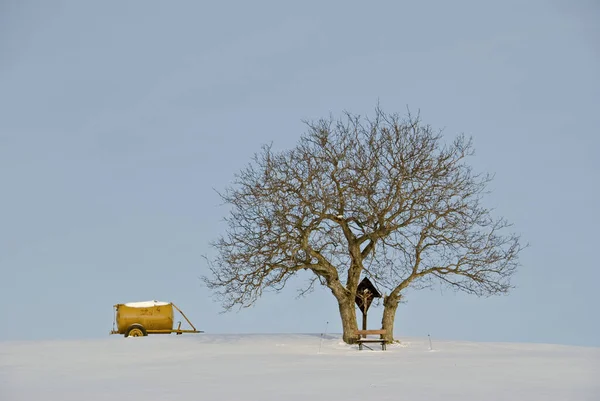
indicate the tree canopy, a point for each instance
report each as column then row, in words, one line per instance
column 384, row 197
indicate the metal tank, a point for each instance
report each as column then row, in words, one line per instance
column 138, row 319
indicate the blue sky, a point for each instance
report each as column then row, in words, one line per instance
column 119, row 119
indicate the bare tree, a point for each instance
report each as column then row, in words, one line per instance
column 382, row 197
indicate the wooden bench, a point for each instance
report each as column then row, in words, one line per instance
column 363, row 338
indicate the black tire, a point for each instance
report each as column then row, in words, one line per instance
column 136, row 328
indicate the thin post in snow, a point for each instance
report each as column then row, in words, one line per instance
column 430, row 346
column 321, row 342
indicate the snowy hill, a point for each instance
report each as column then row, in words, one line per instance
column 291, row 367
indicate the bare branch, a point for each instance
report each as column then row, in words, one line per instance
column 384, row 197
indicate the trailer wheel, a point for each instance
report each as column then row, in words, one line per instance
column 136, row 330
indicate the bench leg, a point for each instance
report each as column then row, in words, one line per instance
column 360, row 346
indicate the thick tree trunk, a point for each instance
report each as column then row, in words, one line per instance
column 390, row 305
column 349, row 324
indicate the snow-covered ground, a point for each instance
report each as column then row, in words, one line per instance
column 290, row 367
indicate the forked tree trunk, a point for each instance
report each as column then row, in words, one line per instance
column 390, row 305
column 349, row 324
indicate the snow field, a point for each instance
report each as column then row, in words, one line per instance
column 290, row 367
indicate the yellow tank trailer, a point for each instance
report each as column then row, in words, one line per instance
column 138, row 319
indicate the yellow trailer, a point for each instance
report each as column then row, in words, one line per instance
column 137, row 319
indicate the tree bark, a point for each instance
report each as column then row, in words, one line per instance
column 349, row 323
column 390, row 305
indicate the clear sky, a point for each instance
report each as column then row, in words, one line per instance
column 118, row 118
